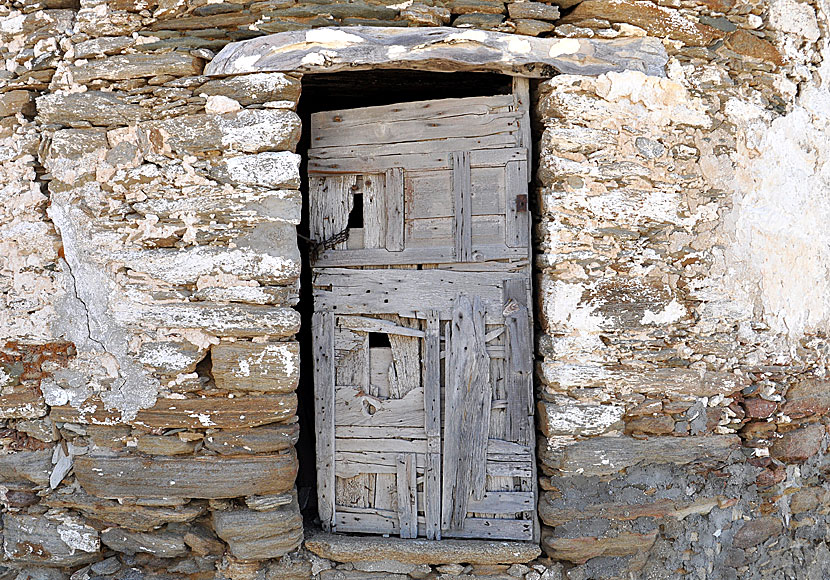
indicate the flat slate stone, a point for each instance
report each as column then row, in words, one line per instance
column 161, row 544
column 248, row 366
column 254, row 88
column 266, row 439
column 94, row 107
column 601, row 456
column 260, row 535
column 40, row 540
column 207, row 477
column 436, row 48
column 409, row 551
column 34, row 466
column 130, row 66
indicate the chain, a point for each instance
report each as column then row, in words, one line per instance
column 318, row 247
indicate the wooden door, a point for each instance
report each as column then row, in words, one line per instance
column 422, row 319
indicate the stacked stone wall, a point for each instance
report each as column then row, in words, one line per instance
column 149, row 270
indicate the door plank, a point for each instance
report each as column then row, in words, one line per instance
column 503, row 502
column 384, row 445
column 521, row 104
column 374, row 212
column 360, row 409
column 394, row 209
column 432, row 425
column 519, row 357
column 322, row 326
column 365, row 324
column 461, row 190
column 433, row 160
column 407, row 495
column 517, row 216
column 405, row 371
column 446, row 255
column 351, row 353
column 495, row 528
column 494, row 141
column 467, row 397
column 331, row 202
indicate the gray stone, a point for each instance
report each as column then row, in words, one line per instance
column 14, row 102
column 536, row 10
column 34, row 466
column 162, row 544
column 108, row 566
column 482, row 21
column 649, row 148
column 267, row 169
column 254, row 88
column 40, row 540
column 132, row 66
column 93, row 107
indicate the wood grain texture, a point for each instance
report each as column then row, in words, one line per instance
column 432, row 426
column 462, row 198
column 517, row 215
column 431, row 160
column 519, row 357
column 407, row 495
column 394, row 209
column 324, row 407
column 441, row 49
column 467, row 398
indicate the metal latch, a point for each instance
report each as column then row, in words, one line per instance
column 521, row 202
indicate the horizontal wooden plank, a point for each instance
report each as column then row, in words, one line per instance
column 385, row 445
column 216, row 412
column 409, row 293
column 249, row 366
column 427, row 193
column 494, row 528
column 350, row 431
column 486, row 230
column 208, row 477
column 354, row 407
column 495, row 141
column 446, row 255
column 364, row 324
column 434, row 160
column 503, row 502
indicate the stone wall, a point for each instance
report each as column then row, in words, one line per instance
column 150, row 266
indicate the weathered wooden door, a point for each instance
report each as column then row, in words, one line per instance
column 422, row 318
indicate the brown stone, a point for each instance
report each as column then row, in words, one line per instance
column 265, row 439
column 22, row 403
column 806, row 499
column 165, row 445
column 475, row 6
column 555, row 512
column 418, row 551
column 209, row 477
column 799, row 445
column 771, row 476
column 131, row 66
column 162, row 544
column 529, row 27
column 38, row 540
column 203, row 541
column 124, row 514
column 744, row 42
column 246, row 366
column 757, row 531
column 258, row 535
column 759, row 408
column 476, row 20
column 14, row 102
column 655, row 20
column 580, row 550
column 535, row 10
column 33, row 466
column 809, row 397
column 651, row 425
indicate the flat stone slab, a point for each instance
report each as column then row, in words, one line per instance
column 377, row 549
column 443, row 49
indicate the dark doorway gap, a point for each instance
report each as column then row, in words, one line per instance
column 348, row 90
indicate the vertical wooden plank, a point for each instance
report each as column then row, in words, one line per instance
column 323, row 332
column 519, row 359
column 330, row 202
column 517, row 216
column 521, row 103
column 432, row 425
column 468, row 395
column 405, row 371
column 394, row 209
column 374, row 212
column 462, row 197
column 407, row 495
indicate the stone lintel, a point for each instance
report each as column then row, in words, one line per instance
column 440, row 49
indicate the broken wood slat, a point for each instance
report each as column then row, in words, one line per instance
column 517, row 216
column 494, row 141
column 215, row 412
column 487, row 230
column 503, row 502
column 438, row 48
column 367, row 522
column 519, row 362
column 394, row 209
column 433, row 160
column 408, row 293
column 208, row 477
column 249, row 366
column 405, row 370
column 348, row 119
column 467, row 415
column 381, row 131
column 521, row 104
column 500, row 448
column 432, row 426
column 380, row 363
column 364, row 324
column 374, row 212
column 330, row 203
column 353, row 432
column 509, row 468
column 356, row 408
column 407, row 495
column 322, row 327
column 383, row 445
column 427, row 197
column 494, row 528
column 481, row 253
column 351, row 353
column 463, row 225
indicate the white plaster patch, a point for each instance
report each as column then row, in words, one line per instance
column 468, row 35
column 794, row 17
column 673, row 312
column 519, row 46
column 564, row 47
column 78, row 536
column 332, row 38
column 218, row 104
